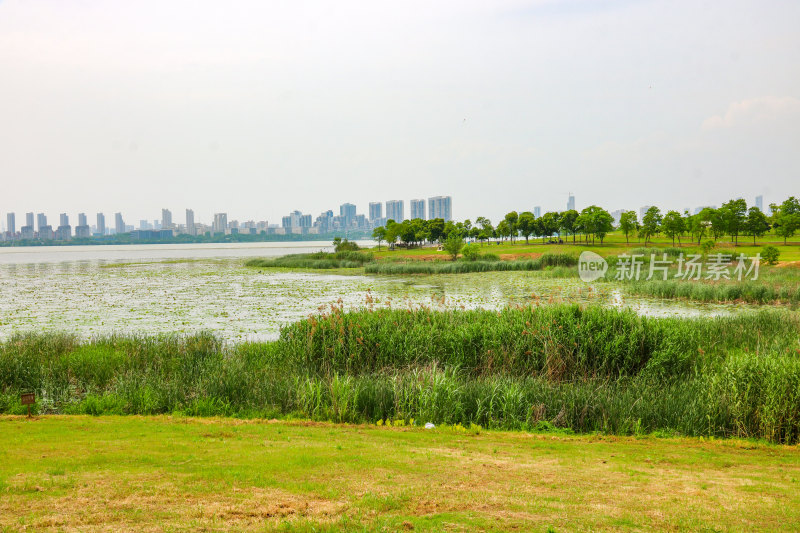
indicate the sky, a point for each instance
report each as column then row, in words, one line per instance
column 258, row 108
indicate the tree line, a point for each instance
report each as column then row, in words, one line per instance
column 594, row 223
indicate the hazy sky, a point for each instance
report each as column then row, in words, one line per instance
column 257, row 108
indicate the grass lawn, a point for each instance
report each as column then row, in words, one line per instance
column 614, row 244
column 164, row 473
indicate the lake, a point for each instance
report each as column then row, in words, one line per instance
column 155, row 289
column 138, row 252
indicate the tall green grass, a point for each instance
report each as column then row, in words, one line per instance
column 318, row 260
column 464, row 267
column 522, row 368
column 760, row 292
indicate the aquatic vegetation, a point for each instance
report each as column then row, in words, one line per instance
column 520, row 368
column 318, row 260
column 463, row 267
column 239, row 303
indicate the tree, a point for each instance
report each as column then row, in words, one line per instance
column 628, row 222
column 453, row 245
column 511, row 219
column 503, row 229
column 595, row 221
column 527, row 224
column 651, row 223
column 486, row 226
column 392, row 231
column 567, row 221
column 435, row 228
column 603, row 224
column 734, row 214
column 787, row 218
column 548, row 224
column 756, row 223
column 700, row 223
column 379, row 234
column 673, row 225
column 718, row 223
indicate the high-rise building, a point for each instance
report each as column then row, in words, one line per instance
column 11, row 223
column 29, row 219
column 41, row 221
column 220, row 223
column 348, row 211
column 760, row 202
column 571, row 202
column 46, row 233
column 119, row 224
column 166, row 219
column 395, row 210
column 537, row 211
column 440, row 207
column 375, row 211
column 101, row 224
column 418, row 209
column 82, row 229
column 64, row 230
column 190, row 227
column 643, row 211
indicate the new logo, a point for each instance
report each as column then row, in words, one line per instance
column 591, row 266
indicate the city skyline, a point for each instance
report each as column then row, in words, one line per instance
column 326, row 222
column 295, row 222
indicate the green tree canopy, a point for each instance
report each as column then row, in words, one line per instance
column 628, row 223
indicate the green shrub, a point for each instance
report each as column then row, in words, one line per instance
column 770, row 254
column 471, row 251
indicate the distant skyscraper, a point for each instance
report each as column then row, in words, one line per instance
column 64, row 230
column 537, row 211
column 348, row 211
column 11, row 223
column 190, row 227
column 395, row 210
column 166, row 219
column 375, row 211
column 571, row 202
column 101, row 224
column 220, row 222
column 82, row 229
column 41, row 221
column 760, row 202
column 29, row 219
column 418, row 209
column 119, row 224
column 642, row 211
column 440, row 207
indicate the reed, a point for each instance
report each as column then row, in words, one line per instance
column 318, row 260
column 563, row 368
column 465, row 267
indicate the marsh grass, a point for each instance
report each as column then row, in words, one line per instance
column 485, row 264
column 318, row 260
column 561, row 367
